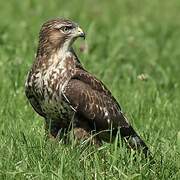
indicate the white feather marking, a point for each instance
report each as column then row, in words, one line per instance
column 108, row 120
column 106, row 112
column 64, row 50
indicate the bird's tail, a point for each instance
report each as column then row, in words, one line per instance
column 133, row 140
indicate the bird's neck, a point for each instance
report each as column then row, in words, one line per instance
column 63, row 52
column 47, row 48
column 48, row 55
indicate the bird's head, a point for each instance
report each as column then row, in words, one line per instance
column 60, row 33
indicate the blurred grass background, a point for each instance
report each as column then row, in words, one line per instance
column 125, row 38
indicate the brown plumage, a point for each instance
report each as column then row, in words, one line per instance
column 64, row 93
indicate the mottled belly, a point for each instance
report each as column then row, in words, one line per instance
column 58, row 111
column 47, row 86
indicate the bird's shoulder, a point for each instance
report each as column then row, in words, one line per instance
column 92, row 81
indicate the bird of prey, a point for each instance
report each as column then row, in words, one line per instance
column 66, row 95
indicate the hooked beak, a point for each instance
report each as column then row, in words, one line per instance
column 80, row 33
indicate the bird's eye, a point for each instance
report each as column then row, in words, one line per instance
column 66, row 29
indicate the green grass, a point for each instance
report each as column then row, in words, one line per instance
column 125, row 38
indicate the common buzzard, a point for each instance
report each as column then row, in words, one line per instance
column 68, row 96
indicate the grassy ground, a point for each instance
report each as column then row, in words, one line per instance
column 125, row 38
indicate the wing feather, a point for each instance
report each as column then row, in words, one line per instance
column 92, row 99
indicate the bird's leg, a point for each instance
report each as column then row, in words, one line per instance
column 53, row 130
column 83, row 132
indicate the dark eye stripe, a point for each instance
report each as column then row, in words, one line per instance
column 69, row 26
column 66, row 28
